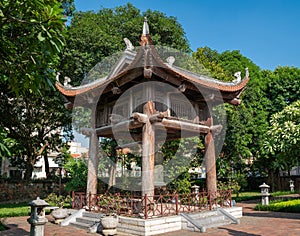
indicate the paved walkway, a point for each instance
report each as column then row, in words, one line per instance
column 253, row 223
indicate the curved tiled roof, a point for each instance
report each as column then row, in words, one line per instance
column 147, row 58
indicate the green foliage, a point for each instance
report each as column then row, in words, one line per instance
column 5, row 143
column 209, row 59
column 283, row 136
column 110, row 203
column 246, row 123
column 281, row 206
column 31, row 39
column 68, row 7
column 230, row 185
column 283, row 88
column 35, row 123
column 63, row 157
column 77, row 172
column 284, row 132
column 58, row 200
column 179, row 156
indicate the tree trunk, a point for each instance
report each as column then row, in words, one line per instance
column 28, row 171
column 112, row 175
column 47, row 165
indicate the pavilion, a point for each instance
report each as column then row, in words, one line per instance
column 148, row 100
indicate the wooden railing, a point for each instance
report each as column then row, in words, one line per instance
column 149, row 206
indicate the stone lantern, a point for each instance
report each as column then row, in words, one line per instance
column 37, row 218
column 292, row 185
column 264, row 194
column 195, row 189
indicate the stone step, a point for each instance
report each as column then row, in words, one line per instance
column 217, row 224
column 80, row 225
column 87, row 220
column 92, row 215
column 210, row 219
column 203, row 215
column 209, row 222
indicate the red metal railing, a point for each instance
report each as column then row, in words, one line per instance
column 149, row 206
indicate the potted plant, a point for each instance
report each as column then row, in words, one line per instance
column 110, row 205
column 60, row 213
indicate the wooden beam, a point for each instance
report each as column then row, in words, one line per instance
column 129, row 145
column 183, row 126
column 119, row 127
column 139, row 117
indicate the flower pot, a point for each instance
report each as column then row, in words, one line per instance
column 59, row 214
column 109, row 222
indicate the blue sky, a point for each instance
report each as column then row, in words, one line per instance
column 266, row 31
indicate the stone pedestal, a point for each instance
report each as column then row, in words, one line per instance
column 37, row 226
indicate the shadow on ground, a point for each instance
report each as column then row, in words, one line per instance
column 238, row 233
column 13, row 231
column 272, row 214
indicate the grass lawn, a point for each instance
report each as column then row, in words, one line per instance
column 20, row 209
column 245, row 196
column 11, row 210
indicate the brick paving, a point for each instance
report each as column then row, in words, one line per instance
column 253, row 223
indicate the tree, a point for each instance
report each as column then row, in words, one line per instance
column 106, row 30
column 283, row 140
column 38, row 125
column 31, row 39
column 246, row 123
column 283, row 86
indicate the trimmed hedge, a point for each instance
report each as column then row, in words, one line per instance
column 281, row 206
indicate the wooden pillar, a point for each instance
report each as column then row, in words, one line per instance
column 148, row 150
column 210, row 155
column 93, row 162
column 210, row 160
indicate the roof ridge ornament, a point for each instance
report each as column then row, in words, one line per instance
column 129, row 45
column 238, row 77
column 145, row 27
column 145, row 38
column 247, row 72
column 170, row 60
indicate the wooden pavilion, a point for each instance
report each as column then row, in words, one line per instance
column 131, row 102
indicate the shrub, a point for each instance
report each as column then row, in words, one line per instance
column 59, row 201
column 281, row 206
column 77, row 172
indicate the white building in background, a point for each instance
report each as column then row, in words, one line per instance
column 76, row 151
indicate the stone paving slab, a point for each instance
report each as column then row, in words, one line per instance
column 253, row 223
